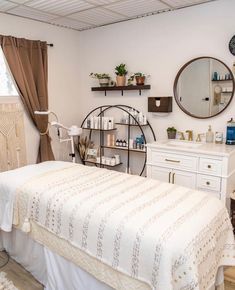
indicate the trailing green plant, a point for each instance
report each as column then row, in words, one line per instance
column 99, row 75
column 139, row 74
column 171, row 129
column 120, row 70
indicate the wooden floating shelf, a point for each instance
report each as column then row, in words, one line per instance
column 98, row 163
column 99, row 129
column 122, row 88
column 124, row 148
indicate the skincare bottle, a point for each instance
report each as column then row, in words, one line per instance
column 144, row 120
column 135, row 116
column 140, row 118
column 95, row 123
column 105, row 123
column 218, row 138
column 88, row 124
column 92, row 122
column 209, row 135
column 110, row 125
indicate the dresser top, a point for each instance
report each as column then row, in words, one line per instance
column 194, row 147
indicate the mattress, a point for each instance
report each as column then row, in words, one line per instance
column 128, row 231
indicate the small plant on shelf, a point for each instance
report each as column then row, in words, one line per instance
column 171, row 132
column 103, row 78
column 139, row 78
column 121, row 73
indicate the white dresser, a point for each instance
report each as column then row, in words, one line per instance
column 208, row 167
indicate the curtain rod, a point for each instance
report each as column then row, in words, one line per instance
column 50, row 44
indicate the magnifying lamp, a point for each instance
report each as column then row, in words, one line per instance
column 72, row 131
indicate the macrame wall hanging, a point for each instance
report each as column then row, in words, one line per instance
column 12, row 137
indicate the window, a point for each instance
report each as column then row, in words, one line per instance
column 7, row 86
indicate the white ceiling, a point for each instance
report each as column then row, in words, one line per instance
column 85, row 14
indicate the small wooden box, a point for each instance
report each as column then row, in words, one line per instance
column 160, row 104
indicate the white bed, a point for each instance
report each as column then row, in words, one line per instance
column 55, row 272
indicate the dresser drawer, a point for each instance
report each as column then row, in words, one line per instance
column 174, row 161
column 210, row 166
column 206, row 182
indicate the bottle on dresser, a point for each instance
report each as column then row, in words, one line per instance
column 209, row 135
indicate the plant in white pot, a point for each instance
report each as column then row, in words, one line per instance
column 121, row 73
column 103, row 78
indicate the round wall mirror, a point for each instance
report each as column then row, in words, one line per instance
column 204, row 87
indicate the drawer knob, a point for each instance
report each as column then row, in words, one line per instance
column 208, row 183
column 209, row 166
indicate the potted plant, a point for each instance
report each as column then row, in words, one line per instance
column 171, row 132
column 102, row 77
column 121, row 73
column 139, row 78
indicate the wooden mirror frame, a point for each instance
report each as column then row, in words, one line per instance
column 176, row 82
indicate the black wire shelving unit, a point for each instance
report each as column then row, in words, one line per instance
column 142, row 128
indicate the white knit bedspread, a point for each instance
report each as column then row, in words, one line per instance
column 166, row 235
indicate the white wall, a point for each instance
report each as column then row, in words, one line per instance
column 159, row 45
column 63, row 74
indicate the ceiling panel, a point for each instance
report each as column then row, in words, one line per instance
column 31, row 13
column 5, row 5
column 19, row 1
column 102, row 2
column 133, row 8
column 97, row 16
column 86, row 14
column 71, row 23
column 182, row 3
column 59, row 7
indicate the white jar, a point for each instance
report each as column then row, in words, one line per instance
column 218, row 137
column 131, row 142
column 108, row 161
column 103, row 159
column 117, row 158
column 113, row 161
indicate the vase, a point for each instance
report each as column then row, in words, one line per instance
column 171, row 134
column 140, row 80
column 121, row 81
column 104, row 82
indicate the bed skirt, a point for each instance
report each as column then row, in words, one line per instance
column 56, row 271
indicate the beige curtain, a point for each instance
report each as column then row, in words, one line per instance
column 27, row 60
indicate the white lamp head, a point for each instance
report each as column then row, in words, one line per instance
column 74, row 131
column 58, row 125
